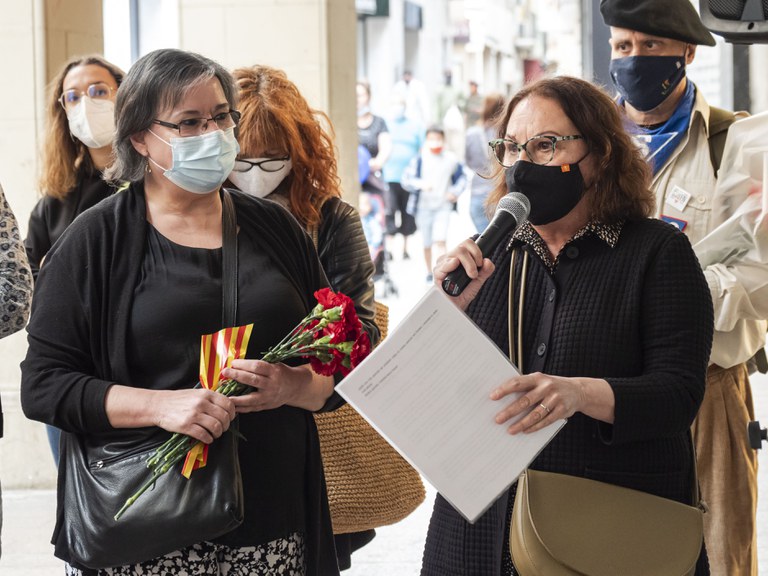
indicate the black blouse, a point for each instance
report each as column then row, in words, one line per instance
column 51, row 216
column 369, row 137
column 164, row 349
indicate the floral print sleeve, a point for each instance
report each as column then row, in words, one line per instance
column 15, row 275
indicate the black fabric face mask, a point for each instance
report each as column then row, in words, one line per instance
column 646, row 81
column 552, row 190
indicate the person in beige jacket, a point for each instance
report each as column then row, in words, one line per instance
column 723, row 212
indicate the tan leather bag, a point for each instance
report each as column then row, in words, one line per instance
column 369, row 484
column 569, row 526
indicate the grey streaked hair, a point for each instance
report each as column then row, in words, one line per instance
column 157, row 82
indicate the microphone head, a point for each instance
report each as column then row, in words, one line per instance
column 516, row 204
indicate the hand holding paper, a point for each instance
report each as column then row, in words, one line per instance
column 426, row 389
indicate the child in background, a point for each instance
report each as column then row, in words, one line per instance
column 435, row 179
column 371, row 215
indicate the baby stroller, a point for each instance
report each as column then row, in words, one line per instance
column 372, row 215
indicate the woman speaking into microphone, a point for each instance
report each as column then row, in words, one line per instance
column 611, row 315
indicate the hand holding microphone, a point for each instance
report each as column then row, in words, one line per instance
column 511, row 211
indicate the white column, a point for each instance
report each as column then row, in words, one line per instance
column 36, row 38
column 758, row 80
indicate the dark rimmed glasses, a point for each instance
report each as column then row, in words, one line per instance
column 539, row 149
column 267, row 164
column 98, row 91
column 197, row 126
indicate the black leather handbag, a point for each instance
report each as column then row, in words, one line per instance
column 176, row 512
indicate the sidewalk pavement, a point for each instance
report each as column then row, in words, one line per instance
column 397, row 549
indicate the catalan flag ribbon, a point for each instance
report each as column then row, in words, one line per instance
column 331, row 337
column 217, row 351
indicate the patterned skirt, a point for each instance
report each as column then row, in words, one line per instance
column 278, row 557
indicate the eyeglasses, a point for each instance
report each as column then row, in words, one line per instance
column 539, row 149
column 98, row 91
column 267, row 164
column 197, row 126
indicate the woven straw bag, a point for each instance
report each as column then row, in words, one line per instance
column 369, row 483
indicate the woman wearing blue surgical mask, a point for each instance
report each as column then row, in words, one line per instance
column 286, row 155
column 80, row 126
column 127, row 293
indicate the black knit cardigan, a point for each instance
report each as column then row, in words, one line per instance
column 79, row 328
column 638, row 315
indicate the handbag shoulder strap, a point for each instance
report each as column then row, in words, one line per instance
column 516, row 353
column 697, row 501
column 315, row 235
column 229, row 261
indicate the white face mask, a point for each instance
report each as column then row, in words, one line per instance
column 93, row 122
column 201, row 163
column 258, row 182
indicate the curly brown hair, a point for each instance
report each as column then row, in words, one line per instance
column 64, row 156
column 621, row 189
column 276, row 116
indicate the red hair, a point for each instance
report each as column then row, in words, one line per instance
column 275, row 116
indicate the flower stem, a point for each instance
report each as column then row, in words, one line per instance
column 157, row 472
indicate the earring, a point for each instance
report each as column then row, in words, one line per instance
column 148, row 168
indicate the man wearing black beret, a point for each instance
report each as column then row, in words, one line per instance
column 652, row 42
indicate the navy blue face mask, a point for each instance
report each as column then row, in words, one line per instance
column 646, row 81
column 552, row 190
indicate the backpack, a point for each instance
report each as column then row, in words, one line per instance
column 454, row 178
column 719, row 122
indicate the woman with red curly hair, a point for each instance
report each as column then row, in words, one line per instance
column 287, row 155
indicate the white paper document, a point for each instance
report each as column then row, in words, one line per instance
column 426, row 389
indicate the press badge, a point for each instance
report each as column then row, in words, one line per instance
column 676, row 222
column 678, row 198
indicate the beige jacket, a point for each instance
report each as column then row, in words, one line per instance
column 727, row 224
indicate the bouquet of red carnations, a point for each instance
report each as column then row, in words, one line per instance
column 331, row 337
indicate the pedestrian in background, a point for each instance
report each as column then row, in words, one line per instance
column 434, row 179
column 407, row 139
column 373, row 135
column 449, row 103
column 414, row 95
column 652, row 44
column 15, row 288
column 473, row 105
column 478, row 159
column 80, row 127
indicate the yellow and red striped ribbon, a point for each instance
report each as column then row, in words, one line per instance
column 217, row 351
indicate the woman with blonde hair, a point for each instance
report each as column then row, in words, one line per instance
column 287, row 155
column 80, row 126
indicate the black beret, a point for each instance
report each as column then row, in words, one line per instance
column 676, row 19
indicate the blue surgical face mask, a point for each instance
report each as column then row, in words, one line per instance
column 201, row 163
column 646, row 81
